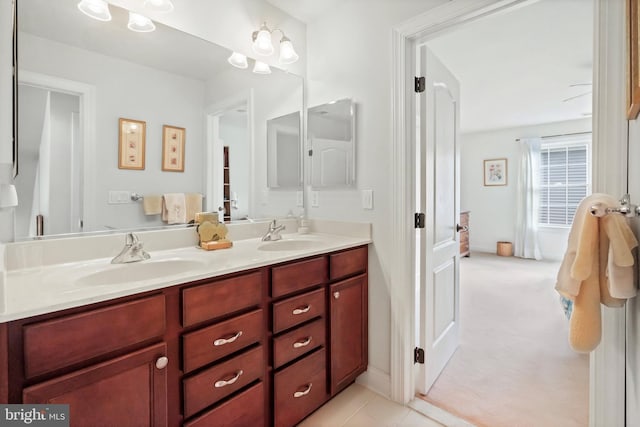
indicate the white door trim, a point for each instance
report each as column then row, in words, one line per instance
column 607, row 362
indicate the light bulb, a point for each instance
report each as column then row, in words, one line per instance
column 96, row 9
column 262, row 41
column 238, row 60
column 140, row 23
column 288, row 54
column 159, row 5
column 261, row 68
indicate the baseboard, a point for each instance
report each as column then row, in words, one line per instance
column 376, row 380
column 440, row 415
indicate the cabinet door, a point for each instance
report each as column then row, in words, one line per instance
column 348, row 331
column 113, row 393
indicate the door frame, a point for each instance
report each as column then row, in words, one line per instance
column 607, row 362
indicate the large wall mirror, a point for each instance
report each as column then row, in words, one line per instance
column 331, row 133
column 78, row 77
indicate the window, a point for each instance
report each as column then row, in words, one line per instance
column 565, row 177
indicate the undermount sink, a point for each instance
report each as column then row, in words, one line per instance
column 135, row 271
column 288, row 245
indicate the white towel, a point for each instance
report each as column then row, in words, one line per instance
column 174, row 208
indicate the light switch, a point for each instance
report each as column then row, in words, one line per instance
column 119, row 197
column 367, row 199
column 315, row 199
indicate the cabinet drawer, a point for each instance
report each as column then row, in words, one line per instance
column 300, row 389
column 216, row 299
column 297, row 276
column 213, row 384
column 296, row 310
column 211, row 343
column 300, row 341
column 68, row 340
column 245, row 409
column 349, row 262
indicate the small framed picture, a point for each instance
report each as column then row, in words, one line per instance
column 495, row 172
column 131, row 146
column 173, row 139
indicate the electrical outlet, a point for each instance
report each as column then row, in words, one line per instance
column 315, row 199
column 367, row 199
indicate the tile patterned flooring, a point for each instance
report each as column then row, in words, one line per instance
column 358, row 406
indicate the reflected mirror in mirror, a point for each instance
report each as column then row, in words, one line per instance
column 283, row 152
column 79, row 76
column 331, row 133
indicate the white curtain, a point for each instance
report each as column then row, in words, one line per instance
column 527, row 208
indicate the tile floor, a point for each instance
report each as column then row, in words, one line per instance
column 358, row 406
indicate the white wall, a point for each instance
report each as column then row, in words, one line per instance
column 350, row 57
column 233, row 132
column 128, row 90
column 6, row 116
column 493, row 209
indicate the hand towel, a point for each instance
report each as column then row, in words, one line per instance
column 193, row 202
column 619, row 271
column 173, row 208
column 152, row 205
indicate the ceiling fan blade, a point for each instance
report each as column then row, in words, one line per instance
column 576, row 96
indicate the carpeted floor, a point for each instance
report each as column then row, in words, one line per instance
column 514, row 367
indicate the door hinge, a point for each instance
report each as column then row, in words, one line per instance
column 310, row 152
column 418, row 355
column 419, row 220
column 420, row 84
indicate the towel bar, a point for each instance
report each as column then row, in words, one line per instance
column 625, row 208
column 135, row 197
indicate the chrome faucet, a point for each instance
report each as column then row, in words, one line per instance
column 274, row 232
column 132, row 251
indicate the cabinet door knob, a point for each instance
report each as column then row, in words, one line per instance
column 336, row 295
column 302, row 310
column 162, row 362
column 302, row 343
column 222, row 383
column 303, row 393
column 223, row 341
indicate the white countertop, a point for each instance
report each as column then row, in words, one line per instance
column 49, row 288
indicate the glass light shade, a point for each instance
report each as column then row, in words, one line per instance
column 262, row 42
column 96, row 9
column 288, row 54
column 159, row 5
column 238, row 60
column 261, row 68
column 140, row 23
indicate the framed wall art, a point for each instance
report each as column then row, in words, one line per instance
column 173, row 139
column 132, row 140
column 495, row 172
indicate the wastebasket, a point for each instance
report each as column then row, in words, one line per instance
column 505, row 249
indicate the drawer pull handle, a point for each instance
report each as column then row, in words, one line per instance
column 303, row 343
column 302, row 310
column 223, row 341
column 222, row 383
column 162, row 362
column 303, row 393
column 336, row 295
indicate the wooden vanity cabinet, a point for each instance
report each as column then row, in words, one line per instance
column 265, row 347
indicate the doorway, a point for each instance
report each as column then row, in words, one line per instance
column 470, row 52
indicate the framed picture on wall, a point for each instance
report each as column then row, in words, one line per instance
column 633, row 22
column 173, row 139
column 495, row 172
column 131, row 146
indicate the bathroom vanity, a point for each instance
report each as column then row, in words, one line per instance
column 265, row 345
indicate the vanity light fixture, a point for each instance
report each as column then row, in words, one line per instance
column 262, row 44
column 96, row 9
column 159, row 5
column 238, row 60
column 261, row 68
column 140, row 23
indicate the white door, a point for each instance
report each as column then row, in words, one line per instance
column 437, row 245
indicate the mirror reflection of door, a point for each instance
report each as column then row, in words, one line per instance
column 50, row 139
column 233, row 134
